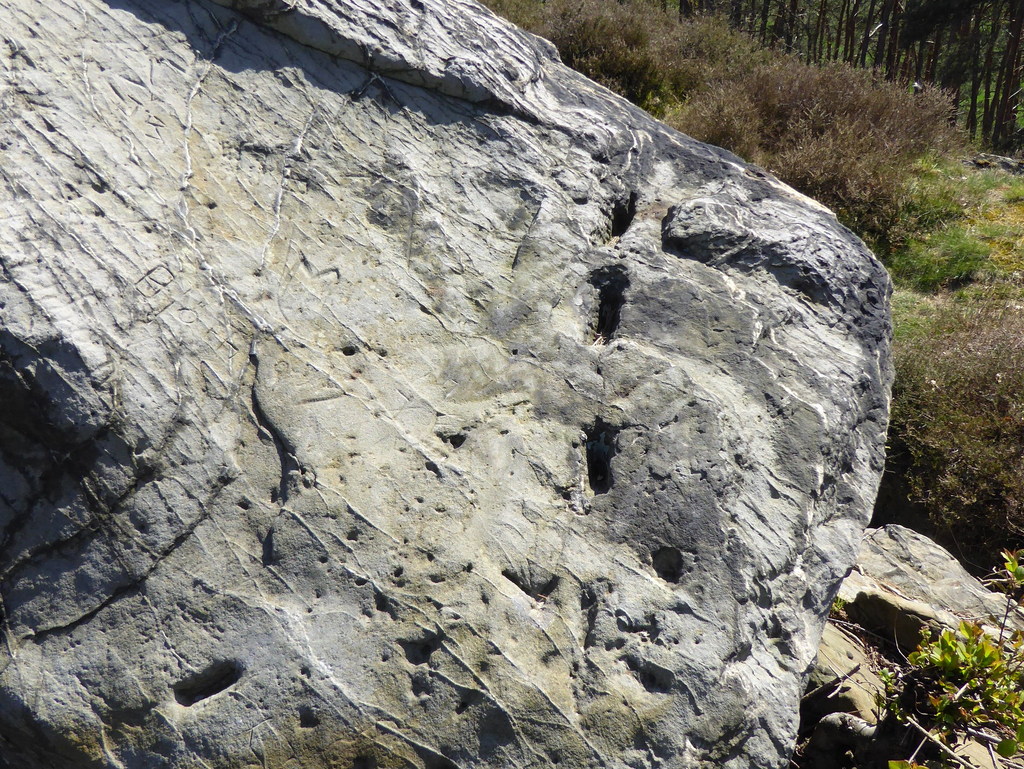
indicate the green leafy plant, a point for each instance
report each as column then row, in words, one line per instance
column 838, row 609
column 967, row 682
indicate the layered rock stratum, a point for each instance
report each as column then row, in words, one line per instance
column 378, row 392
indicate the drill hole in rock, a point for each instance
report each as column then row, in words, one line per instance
column 653, row 677
column 213, row 680
column 623, row 214
column 611, row 283
column 600, row 447
column 419, row 651
column 668, row 564
column 308, row 719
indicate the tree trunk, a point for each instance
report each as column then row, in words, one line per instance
column 1006, row 116
column 883, row 33
column 849, row 52
column 972, row 110
column 866, row 40
column 988, row 106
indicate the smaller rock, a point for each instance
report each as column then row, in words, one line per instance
column 876, row 608
column 842, row 679
column 1000, row 162
column 903, row 582
column 977, row 755
column 840, row 740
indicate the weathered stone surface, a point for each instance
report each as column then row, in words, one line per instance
column 377, row 392
column 904, row 581
column 842, row 679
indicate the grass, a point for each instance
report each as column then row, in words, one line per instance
column 958, row 225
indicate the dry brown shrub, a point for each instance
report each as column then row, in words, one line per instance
column 840, row 135
column 957, row 424
column 633, row 47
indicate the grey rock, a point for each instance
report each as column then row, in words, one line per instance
column 842, row 740
column 842, row 680
column 997, row 162
column 378, row 392
column 905, row 582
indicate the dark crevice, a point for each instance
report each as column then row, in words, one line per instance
column 537, row 589
column 654, row 678
column 384, row 604
column 590, row 604
column 611, row 283
column 268, row 548
column 455, row 440
column 213, row 680
column 308, row 719
column 623, row 214
column 115, row 595
column 601, row 448
column 469, row 698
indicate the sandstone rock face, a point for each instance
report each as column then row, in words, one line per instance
column 904, row 581
column 377, row 392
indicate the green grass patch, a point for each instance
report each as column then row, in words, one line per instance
column 947, row 258
column 957, row 225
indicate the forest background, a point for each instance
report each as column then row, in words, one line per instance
column 877, row 108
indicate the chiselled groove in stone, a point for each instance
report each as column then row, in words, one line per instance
column 600, row 449
column 289, row 465
column 213, row 680
column 525, row 243
column 623, row 213
column 115, row 595
column 611, row 283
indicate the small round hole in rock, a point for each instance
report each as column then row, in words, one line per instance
column 668, row 563
column 307, row 718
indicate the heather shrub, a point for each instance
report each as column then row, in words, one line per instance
column 636, row 49
column 837, row 134
column 956, row 437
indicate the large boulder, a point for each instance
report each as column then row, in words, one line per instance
column 377, row 392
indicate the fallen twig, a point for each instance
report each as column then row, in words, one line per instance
column 942, row 746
